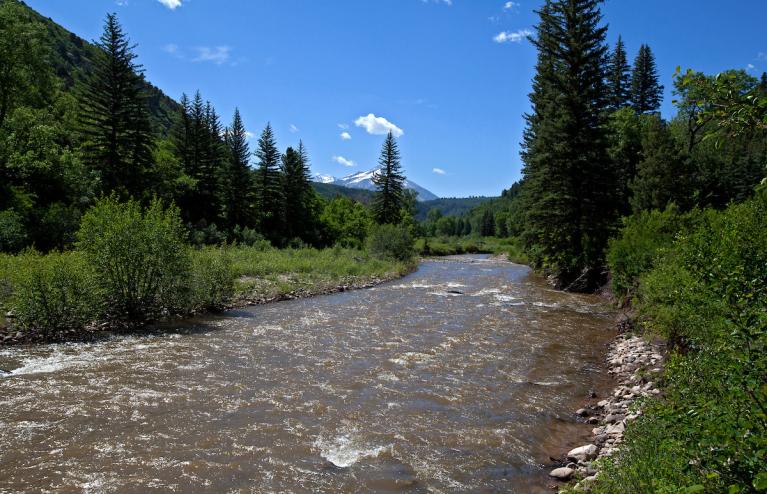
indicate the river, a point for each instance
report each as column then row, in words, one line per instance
column 461, row 377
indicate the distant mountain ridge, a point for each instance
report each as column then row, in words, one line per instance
column 364, row 180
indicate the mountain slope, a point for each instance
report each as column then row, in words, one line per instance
column 72, row 60
column 364, row 180
column 330, row 191
column 451, row 206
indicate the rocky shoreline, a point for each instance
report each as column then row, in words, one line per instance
column 636, row 365
column 10, row 336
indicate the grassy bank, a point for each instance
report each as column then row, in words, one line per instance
column 450, row 246
column 700, row 284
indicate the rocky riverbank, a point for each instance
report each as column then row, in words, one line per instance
column 636, row 364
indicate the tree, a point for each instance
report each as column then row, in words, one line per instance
column 389, row 182
column 487, row 224
column 646, row 91
column 346, row 222
column 268, row 186
column 569, row 187
column 115, row 114
column 298, row 193
column 618, row 77
column 238, row 184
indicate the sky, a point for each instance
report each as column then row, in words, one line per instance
column 450, row 78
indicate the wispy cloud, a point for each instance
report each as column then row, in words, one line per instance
column 761, row 56
column 444, row 2
column 171, row 4
column 122, row 3
column 346, row 136
column 378, row 125
column 438, row 171
column 750, row 66
column 510, row 5
column 250, row 135
column 294, row 129
column 512, row 36
column 170, row 48
column 343, row 126
column 218, row 55
column 343, row 161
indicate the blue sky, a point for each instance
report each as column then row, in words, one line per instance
column 451, row 75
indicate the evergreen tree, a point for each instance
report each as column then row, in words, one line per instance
column 297, row 191
column 763, row 84
column 268, row 186
column 570, row 191
column 646, row 91
column 238, row 184
column 487, row 224
column 115, row 114
column 618, row 77
column 389, row 182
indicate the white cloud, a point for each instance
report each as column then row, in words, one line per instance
column 294, row 129
column 343, row 161
column 171, row 4
column 343, row 126
column 446, row 2
column 761, row 56
column 750, row 67
column 512, row 37
column 121, row 3
column 346, row 136
column 378, row 125
column 250, row 135
column 438, row 171
column 218, row 55
column 510, row 5
column 170, row 48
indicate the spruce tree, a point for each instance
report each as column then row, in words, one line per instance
column 646, row 91
column 389, row 182
column 569, row 192
column 487, row 224
column 618, row 77
column 238, row 185
column 115, row 116
column 268, row 186
column 297, row 192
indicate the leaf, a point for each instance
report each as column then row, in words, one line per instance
column 760, row 482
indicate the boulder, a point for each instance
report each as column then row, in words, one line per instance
column 583, row 453
column 563, row 473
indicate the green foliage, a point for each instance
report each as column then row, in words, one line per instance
column 707, row 296
column 138, row 254
column 388, row 241
column 55, row 292
column 618, row 77
column 346, row 222
column 13, row 235
column 389, row 199
column 211, row 279
column 268, row 186
column 646, row 91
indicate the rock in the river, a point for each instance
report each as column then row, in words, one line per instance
column 584, row 453
column 563, row 473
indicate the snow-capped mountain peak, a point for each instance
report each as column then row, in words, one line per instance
column 364, row 180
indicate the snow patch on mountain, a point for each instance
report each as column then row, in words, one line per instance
column 364, row 180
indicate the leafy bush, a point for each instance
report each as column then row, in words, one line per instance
column 13, row 235
column 391, row 242
column 644, row 236
column 54, row 292
column 211, row 280
column 138, row 254
column 707, row 295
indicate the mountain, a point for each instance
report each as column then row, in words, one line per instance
column 364, row 180
column 72, row 60
column 451, row 206
column 330, row 191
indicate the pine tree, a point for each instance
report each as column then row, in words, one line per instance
column 569, row 191
column 389, row 182
column 115, row 114
column 238, row 184
column 297, row 191
column 268, row 186
column 618, row 78
column 646, row 91
column 487, row 224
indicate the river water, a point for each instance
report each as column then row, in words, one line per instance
column 461, row 377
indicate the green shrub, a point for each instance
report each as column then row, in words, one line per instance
column 707, row 294
column 643, row 237
column 391, row 242
column 13, row 235
column 54, row 292
column 211, row 280
column 138, row 254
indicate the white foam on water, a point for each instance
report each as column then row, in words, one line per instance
column 346, row 449
column 455, row 285
column 486, row 291
column 505, row 298
column 55, row 362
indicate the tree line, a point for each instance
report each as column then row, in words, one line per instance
column 61, row 149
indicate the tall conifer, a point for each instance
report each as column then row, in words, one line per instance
column 115, row 116
column 618, row 77
column 389, row 182
column 646, row 91
column 268, row 186
column 297, row 192
column 238, row 185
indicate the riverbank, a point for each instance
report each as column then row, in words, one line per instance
column 260, row 276
column 451, row 246
column 636, row 365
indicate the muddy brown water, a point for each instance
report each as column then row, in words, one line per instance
column 407, row 387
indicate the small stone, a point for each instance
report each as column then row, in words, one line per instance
column 563, row 473
column 582, row 412
column 583, row 453
column 593, row 420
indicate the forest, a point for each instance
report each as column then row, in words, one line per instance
column 118, row 204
